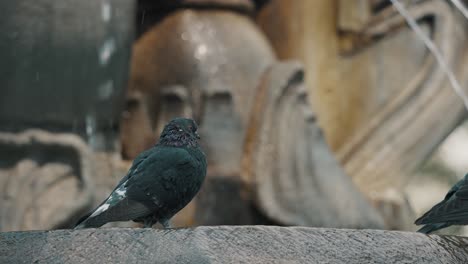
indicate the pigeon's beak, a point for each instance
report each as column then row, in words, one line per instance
column 197, row 135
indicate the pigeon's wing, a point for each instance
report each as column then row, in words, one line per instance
column 136, row 163
column 157, row 177
column 453, row 209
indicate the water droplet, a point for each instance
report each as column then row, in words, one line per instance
column 106, row 11
column 90, row 124
column 105, row 90
column 184, row 36
column 106, row 51
column 143, row 17
column 201, row 51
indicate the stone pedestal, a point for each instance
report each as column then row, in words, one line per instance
column 223, row 244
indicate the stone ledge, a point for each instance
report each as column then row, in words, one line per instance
column 230, row 244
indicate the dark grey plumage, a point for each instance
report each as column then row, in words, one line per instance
column 453, row 210
column 161, row 181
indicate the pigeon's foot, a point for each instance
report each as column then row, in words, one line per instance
column 166, row 223
column 148, row 223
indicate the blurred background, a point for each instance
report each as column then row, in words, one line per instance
column 324, row 113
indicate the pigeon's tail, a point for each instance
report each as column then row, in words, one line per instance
column 124, row 210
column 97, row 218
column 429, row 228
column 90, row 222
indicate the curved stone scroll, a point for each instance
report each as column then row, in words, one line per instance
column 44, row 180
column 404, row 131
column 382, row 100
column 297, row 179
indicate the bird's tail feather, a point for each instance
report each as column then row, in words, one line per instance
column 429, row 228
column 90, row 222
column 93, row 220
column 123, row 211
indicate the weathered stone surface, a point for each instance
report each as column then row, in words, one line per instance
column 45, row 179
column 286, row 161
column 223, row 244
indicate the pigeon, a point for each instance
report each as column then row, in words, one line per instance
column 161, row 181
column 453, row 210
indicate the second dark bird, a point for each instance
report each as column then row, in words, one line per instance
column 453, row 210
column 161, row 181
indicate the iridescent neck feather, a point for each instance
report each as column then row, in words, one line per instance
column 177, row 139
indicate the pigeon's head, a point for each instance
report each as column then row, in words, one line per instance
column 180, row 132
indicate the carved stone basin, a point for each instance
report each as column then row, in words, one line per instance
column 223, row 244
